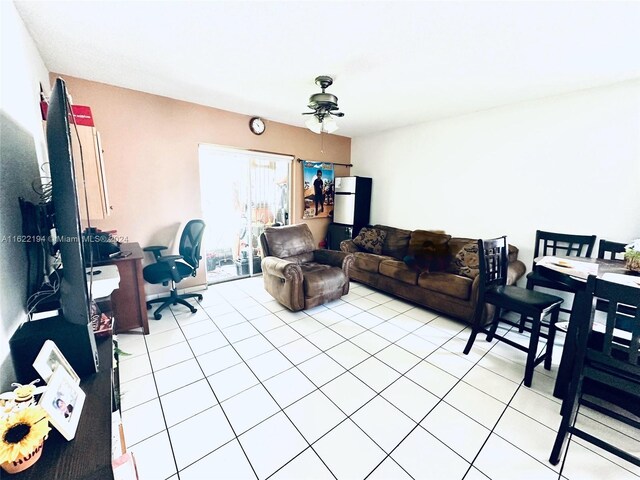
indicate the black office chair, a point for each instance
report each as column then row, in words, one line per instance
column 606, row 365
column 609, row 250
column 532, row 305
column 171, row 269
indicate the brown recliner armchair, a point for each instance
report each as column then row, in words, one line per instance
column 298, row 275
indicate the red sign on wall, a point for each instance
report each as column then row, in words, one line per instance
column 81, row 114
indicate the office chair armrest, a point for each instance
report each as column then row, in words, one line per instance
column 170, row 260
column 155, row 249
column 335, row 258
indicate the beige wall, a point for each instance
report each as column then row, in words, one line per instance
column 150, row 148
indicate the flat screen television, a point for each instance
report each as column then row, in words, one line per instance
column 72, row 330
column 74, row 296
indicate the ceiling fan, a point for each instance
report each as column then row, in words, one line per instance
column 325, row 108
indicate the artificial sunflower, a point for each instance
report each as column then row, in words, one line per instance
column 21, row 432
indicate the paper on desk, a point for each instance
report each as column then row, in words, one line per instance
column 574, row 268
column 629, row 280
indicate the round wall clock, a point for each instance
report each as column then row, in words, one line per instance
column 256, row 124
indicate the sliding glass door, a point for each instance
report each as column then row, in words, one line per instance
column 242, row 193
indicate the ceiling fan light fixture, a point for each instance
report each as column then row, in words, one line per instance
column 314, row 124
column 325, row 106
column 329, row 124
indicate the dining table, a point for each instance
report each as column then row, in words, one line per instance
column 573, row 272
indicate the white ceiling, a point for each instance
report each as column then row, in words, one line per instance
column 395, row 63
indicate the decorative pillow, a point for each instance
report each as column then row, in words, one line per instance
column 429, row 257
column 466, row 262
column 370, row 239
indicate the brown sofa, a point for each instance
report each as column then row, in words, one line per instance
column 444, row 291
column 299, row 275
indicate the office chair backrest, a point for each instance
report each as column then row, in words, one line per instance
column 612, row 248
column 563, row 244
column 190, row 242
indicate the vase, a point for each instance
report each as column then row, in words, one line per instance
column 23, row 463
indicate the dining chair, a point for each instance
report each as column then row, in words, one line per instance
column 610, row 250
column 557, row 244
column 606, row 365
column 531, row 304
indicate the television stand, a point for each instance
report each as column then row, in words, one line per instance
column 88, row 455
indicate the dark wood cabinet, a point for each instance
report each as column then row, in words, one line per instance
column 88, row 455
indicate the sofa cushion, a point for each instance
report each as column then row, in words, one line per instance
column 396, row 243
column 428, row 251
column 399, row 271
column 319, row 279
column 368, row 262
column 370, row 239
column 466, row 261
column 446, row 283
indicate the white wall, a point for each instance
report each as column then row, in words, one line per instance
column 22, row 149
column 569, row 163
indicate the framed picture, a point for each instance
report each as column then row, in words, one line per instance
column 63, row 400
column 318, row 189
column 49, row 358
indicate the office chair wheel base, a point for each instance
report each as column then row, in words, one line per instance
column 194, row 310
column 157, row 316
column 199, row 297
column 148, row 306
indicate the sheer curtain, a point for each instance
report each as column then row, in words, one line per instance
column 242, row 193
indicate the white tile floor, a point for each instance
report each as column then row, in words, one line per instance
column 364, row 387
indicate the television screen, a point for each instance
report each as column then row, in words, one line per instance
column 74, row 294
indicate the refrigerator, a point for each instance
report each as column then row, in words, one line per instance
column 351, row 209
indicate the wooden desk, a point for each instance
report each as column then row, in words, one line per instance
column 128, row 302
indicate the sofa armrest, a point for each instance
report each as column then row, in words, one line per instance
column 283, row 280
column 334, row 258
column 349, row 247
column 513, row 253
column 281, row 268
column 515, row 272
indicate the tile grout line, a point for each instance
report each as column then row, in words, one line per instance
column 281, row 409
column 369, row 355
column 221, row 409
